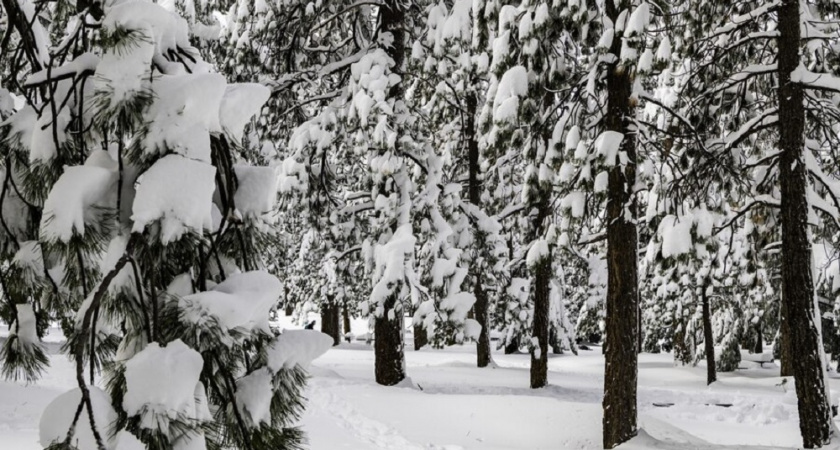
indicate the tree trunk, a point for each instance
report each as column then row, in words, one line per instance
column 330, row 322
column 289, row 307
column 621, row 365
column 345, row 316
column 512, row 346
column 708, row 338
column 797, row 284
column 421, row 338
column 759, row 339
column 480, row 307
column 389, row 346
column 539, row 355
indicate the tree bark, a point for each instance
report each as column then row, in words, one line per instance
column 708, row 338
column 797, row 284
column 389, row 347
column 621, row 358
column 330, row 322
column 786, row 354
column 759, row 339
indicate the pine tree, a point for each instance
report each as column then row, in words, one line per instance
column 145, row 240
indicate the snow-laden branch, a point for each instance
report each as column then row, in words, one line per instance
column 811, row 80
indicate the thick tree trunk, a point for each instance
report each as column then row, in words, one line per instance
column 759, row 339
column 330, row 322
column 389, row 346
column 797, row 284
column 621, row 366
column 708, row 339
column 474, row 191
column 539, row 355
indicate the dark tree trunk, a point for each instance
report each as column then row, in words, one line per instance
column 512, row 346
column 421, row 338
column 621, row 366
column 759, row 339
column 481, row 316
column 289, row 307
column 388, row 344
column 797, row 285
column 539, row 356
column 708, row 339
column 345, row 316
column 388, row 329
column 480, row 307
column 682, row 352
column 330, row 322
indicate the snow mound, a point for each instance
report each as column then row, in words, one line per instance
column 153, row 400
column 297, row 348
column 58, row 416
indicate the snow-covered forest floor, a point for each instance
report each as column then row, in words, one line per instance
column 457, row 406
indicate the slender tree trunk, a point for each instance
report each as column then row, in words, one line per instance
column 539, row 355
column 345, row 316
column 797, row 284
column 621, row 367
column 682, row 354
column 759, row 339
column 329, row 320
column 708, row 339
column 480, row 306
column 289, row 307
column 389, row 346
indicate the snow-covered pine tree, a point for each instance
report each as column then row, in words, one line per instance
column 145, row 239
column 605, row 146
column 452, row 56
column 530, row 81
column 784, row 140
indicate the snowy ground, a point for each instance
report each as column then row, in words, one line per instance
column 457, row 406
